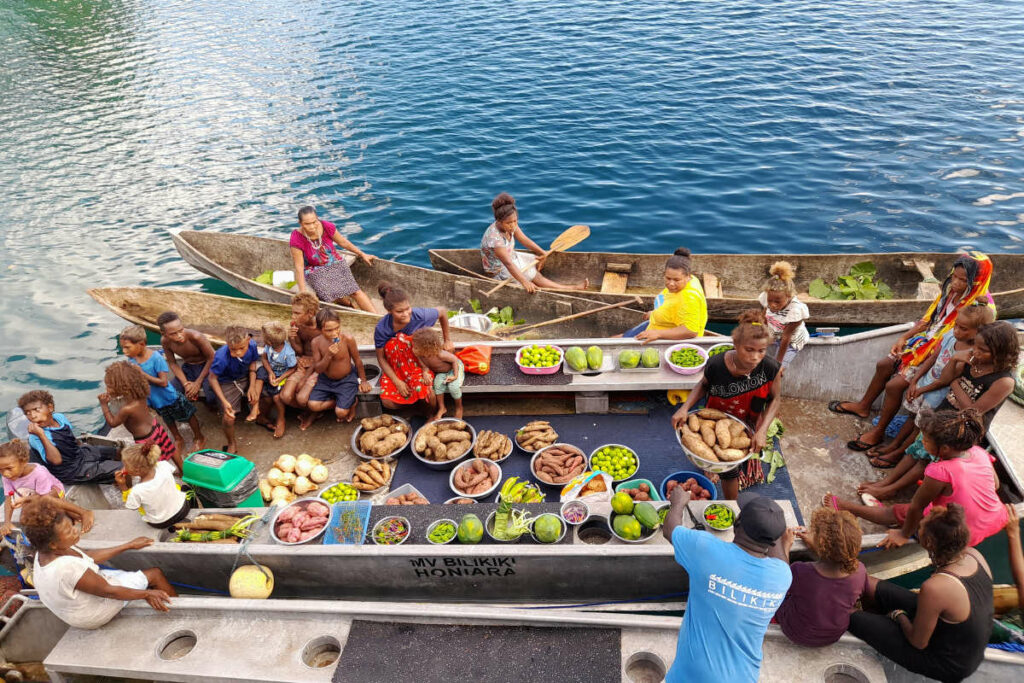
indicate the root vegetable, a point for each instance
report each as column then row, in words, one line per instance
column 318, row 474
column 279, row 492
column 696, row 445
column 421, row 443
column 707, row 433
column 693, row 422
column 303, row 486
column 722, row 433
column 736, row 428
column 265, row 489
column 288, row 479
column 285, row 463
column 456, row 449
column 274, row 477
column 711, row 414
column 389, row 445
column 450, row 435
column 370, row 423
column 430, row 430
column 742, row 442
column 729, row 454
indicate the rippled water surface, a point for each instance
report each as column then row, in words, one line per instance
column 740, row 126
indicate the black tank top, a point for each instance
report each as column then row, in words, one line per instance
column 961, row 646
column 975, row 387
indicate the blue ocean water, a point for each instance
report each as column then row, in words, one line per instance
column 788, row 126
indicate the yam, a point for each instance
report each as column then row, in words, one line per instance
column 711, row 414
column 456, row 424
column 389, row 445
column 369, row 423
column 440, row 451
column 729, row 454
column 457, row 449
column 696, row 445
column 430, row 430
column 707, row 433
column 742, row 442
column 722, row 433
column 385, row 420
column 693, row 422
column 421, row 443
column 736, row 428
column 380, row 433
column 450, row 435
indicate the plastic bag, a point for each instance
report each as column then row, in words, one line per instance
column 590, row 487
column 476, row 359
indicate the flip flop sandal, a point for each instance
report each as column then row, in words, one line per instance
column 828, row 500
column 837, row 408
column 880, row 462
column 859, row 446
column 870, row 500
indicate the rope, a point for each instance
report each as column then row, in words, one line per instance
column 243, row 547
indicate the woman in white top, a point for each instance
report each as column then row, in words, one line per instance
column 156, row 495
column 498, row 250
column 70, row 582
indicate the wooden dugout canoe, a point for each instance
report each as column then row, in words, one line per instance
column 740, row 277
column 211, row 313
column 237, row 259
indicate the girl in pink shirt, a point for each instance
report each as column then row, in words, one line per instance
column 23, row 479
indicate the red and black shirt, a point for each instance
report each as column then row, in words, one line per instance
column 743, row 396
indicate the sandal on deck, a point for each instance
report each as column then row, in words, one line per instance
column 859, row 446
column 837, row 408
column 881, row 462
column 870, row 500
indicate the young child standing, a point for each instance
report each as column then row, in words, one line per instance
column 51, row 437
column 301, row 333
column 232, row 375
column 334, row 355
column 277, row 364
column 23, row 479
column 164, row 398
column 125, row 381
column 196, row 352
column 156, row 495
column 448, row 370
column 784, row 313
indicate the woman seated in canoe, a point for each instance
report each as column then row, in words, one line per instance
column 320, row 265
column 966, row 283
column 404, row 381
column 680, row 310
column 498, row 249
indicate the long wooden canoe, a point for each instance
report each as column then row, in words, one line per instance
column 740, row 276
column 211, row 314
column 237, row 259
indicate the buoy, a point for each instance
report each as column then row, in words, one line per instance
column 250, row 583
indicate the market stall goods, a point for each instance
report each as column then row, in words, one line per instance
column 640, row 493
column 291, row 477
column 492, row 445
column 407, row 499
column 536, row 435
column 301, row 521
column 475, row 477
column 559, row 463
column 444, row 440
column 213, row 528
column 715, row 436
column 696, row 491
column 382, row 435
column 372, row 475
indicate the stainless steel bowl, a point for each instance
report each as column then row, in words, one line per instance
column 468, row 463
column 447, row 463
column 358, row 432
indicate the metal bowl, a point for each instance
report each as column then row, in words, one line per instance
column 489, row 528
column 433, row 524
column 511, row 447
column 477, row 496
column 451, row 501
column 358, row 431
column 447, row 463
column 704, row 515
column 590, row 461
column 716, row 467
column 373, row 533
column 536, row 455
column 472, row 321
column 302, row 502
column 561, row 536
column 680, row 369
column 648, row 534
column 575, row 503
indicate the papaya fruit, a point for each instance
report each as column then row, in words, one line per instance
column 471, row 529
column 646, row 515
column 576, row 358
column 650, row 358
column 547, row 528
column 595, row 357
column 627, row 527
column 629, row 359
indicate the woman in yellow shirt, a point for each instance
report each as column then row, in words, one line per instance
column 680, row 310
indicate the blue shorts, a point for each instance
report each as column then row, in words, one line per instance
column 180, row 410
column 192, row 372
column 633, row 331
column 269, row 390
column 343, row 390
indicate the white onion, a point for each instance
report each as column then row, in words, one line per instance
column 286, row 463
column 303, row 467
column 319, row 474
column 288, row 479
column 279, row 493
column 274, row 476
column 303, row 486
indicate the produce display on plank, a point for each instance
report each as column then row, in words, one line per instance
column 582, row 361
column 648, row 359
column 559, row 463
column 443, row 440
column 407, row 499
column 382, row 435
column 719, row 516
column 213, row 528
column 714, row 436
column 291, row 477
column 391, row 531
column 633, row 521
column 686, row 358
column 475, row 477
column 535, row 435
column 697, row 492
column 441, row 532
column 619, row 461
column 301, row 521
column 372, row 475
column 492, row 445
column 536, row 356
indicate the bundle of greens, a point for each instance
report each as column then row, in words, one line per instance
column 501, row 317
column 859, row 284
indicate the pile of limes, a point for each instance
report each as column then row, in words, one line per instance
column 340, row 492
column 618, row 461
column 536, row 356
column 686, row 358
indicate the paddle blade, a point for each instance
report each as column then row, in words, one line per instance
column 570, row 238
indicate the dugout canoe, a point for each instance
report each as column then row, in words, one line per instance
column 237, row 259
column 212, row 313
column 733, row 281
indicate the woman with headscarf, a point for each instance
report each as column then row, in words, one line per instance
column 967, row 282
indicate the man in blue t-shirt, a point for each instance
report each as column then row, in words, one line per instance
column 232, row 376
column 735, row 589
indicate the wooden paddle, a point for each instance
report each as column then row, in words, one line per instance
column 568, row 239
column 506, row 331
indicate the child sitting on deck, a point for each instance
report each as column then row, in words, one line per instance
column 817, row 609
column 53, row 440
column 125, row 381
column 301, row 333
column 70, row 581
column 164, row 398
column 23, row 479
column 196, row 353
column 334, row 355
column 232, row 375
column 277, row 364
column 156, row 496
column 785, row 314
column 448, row 370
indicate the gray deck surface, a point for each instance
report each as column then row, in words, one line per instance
column 430, row 653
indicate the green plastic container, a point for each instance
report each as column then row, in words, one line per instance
column 635, row 483
column 222, row 479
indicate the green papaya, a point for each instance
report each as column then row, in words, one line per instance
column 595, row 357
column 627, row 527
column 629, row 359
column 650, row 358
column 471, row 529
column 576, row 359
column 547, row 528
column 646, row 514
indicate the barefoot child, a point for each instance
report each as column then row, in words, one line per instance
column 51, row 437
column 334, row 354
column 785, row 313
column 448, row 370
column 232, row 374
column 301, row 333
column 156, row 496
column 164, row 398
column 125, row 381
column 277, row 364
column 70, row 581
column 23, row 479
column 196, row 357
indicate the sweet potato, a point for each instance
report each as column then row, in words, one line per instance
column 421, row 443
column 696, row 445
column 711, row 414
column 722, row 433
column 363, row 486
column 742, row 442
column 707, row 433
column 729, row 454
column 736, row 428
column 449, row 435
column 693, row 422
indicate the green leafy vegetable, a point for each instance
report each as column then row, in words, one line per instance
column 858, row 285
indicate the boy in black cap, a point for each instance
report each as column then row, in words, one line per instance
column 735, row 589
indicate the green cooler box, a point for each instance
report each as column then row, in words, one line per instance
column 223, row 480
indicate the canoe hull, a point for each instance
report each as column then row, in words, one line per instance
column 237, row 259
column 741, row 277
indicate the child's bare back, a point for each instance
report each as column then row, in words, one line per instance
column 443, row 361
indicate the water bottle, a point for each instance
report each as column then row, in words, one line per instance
column 17, row 424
